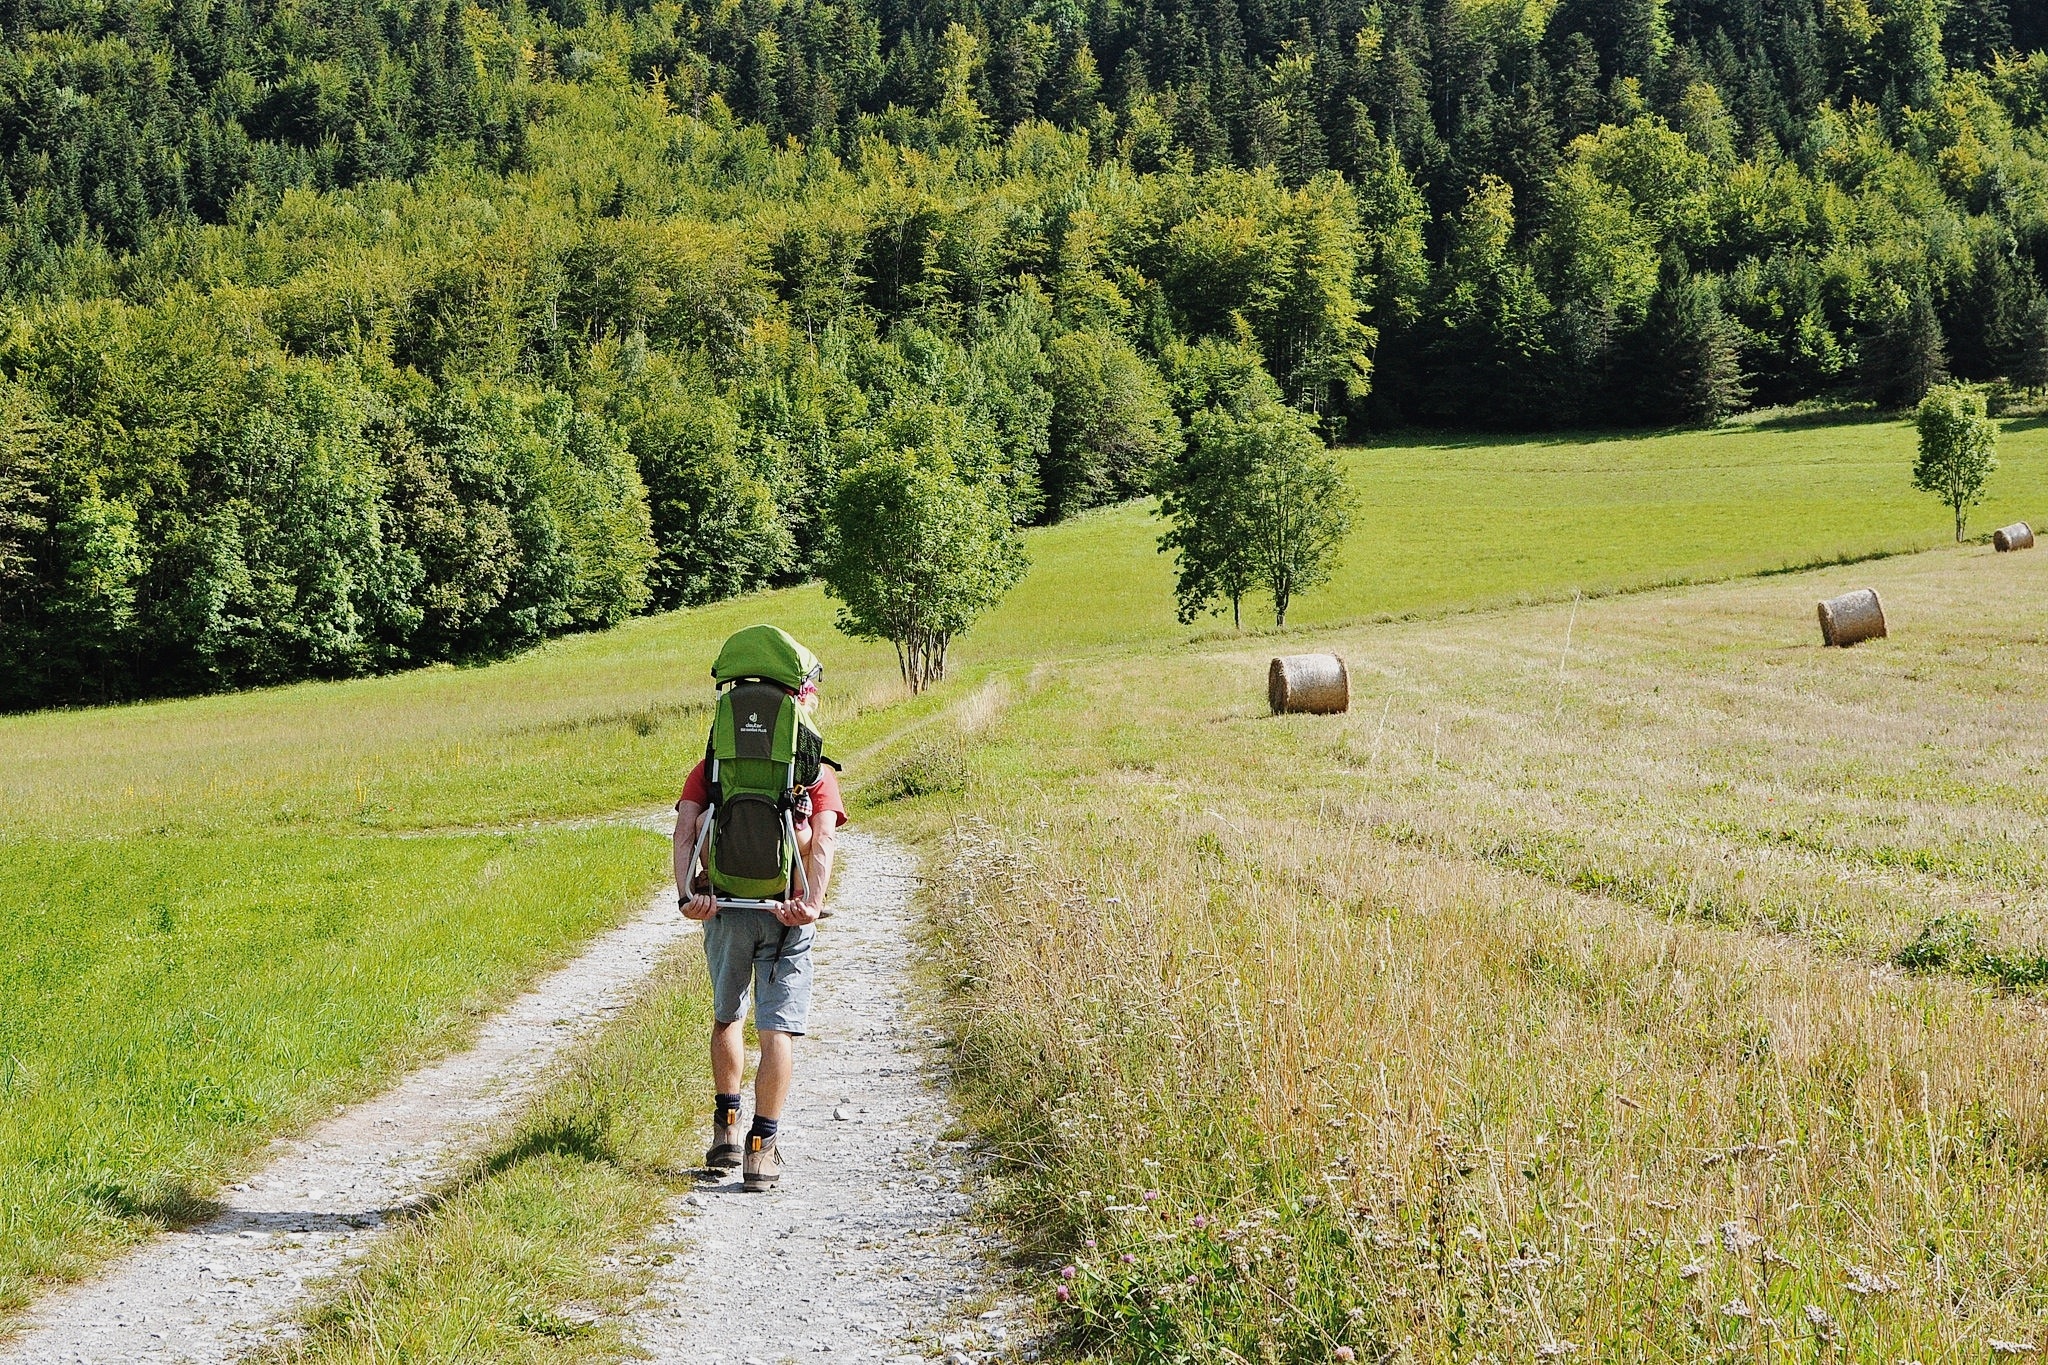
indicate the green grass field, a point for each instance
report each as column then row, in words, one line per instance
column 172, row 871
column 173, row 1002
column 1454, row 525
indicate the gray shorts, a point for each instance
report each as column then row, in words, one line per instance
column 746, row 948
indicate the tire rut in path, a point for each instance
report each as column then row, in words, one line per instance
column 865, row 1253
column 220, row 1290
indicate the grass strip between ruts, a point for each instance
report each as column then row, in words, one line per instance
column 528, row 1259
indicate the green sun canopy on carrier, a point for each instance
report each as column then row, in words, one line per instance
column 766, row 652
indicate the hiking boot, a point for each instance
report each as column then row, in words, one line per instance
column 764, row 1164
column 725, row 1141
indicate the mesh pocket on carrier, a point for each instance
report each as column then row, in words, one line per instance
column 748, row 840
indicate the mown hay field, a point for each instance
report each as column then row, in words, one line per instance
column 221, row 918
column 1673, row 997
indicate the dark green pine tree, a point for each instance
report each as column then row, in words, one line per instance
column 1903, row 351
column 1630, row 36
column 1974, row 31
column 1689, row 353
column 2028, row 359
column 2029, row 26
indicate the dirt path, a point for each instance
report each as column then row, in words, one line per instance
column 864, row 1254
column 219, row 1290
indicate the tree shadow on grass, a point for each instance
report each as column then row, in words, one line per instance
column 1801, row 419
column 173, row 1205
column 1810, row 419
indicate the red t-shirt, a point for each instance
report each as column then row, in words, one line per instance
column 824, row 792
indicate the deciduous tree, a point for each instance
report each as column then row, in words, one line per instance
column 914, row 554
column 1257, row 502
column 1958, row 449
column 1112, row 425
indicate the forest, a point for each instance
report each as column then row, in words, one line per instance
column 347, row 337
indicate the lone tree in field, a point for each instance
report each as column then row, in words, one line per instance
column 1257, row 501
column 1201, row 494
column 1958, row 450
column 913, row 554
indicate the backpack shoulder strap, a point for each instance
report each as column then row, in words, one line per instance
column 714, row 795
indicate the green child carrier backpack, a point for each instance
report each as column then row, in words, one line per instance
column 763, row 754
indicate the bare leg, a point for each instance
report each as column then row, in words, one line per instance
column 771, row 1078
column 729, row 1057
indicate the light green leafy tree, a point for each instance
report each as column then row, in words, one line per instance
column 914, row 554
column 23, row 468
column 1257, row 502
column 1200, row 498
column 1112, row 423
column 1958, row 450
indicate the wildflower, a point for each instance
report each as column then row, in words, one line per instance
column 1063, row 1294
column 1556, row 1350
column 1822, row 1322
column 1090, row 1244
column 1129, row 1259
column 1150, row 1195
column 2009, row 1348
column 1692, row 1270
column 1345, row 1353
column 1735, row 1308
column 1067, row 1272
column 1864, row 1281
column 1201, row 1220
column 1737, row 1238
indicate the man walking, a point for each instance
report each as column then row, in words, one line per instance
column 765, row 951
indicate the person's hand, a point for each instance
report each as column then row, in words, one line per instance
column 700, row 906
column 797, row 913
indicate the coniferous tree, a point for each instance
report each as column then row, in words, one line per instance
column 1689, row 354
column 1903, row 351
column 2029, row 357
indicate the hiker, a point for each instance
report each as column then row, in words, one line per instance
column 753, row 858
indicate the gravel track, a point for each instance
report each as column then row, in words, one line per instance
column 217, row 1291
column 864, row 1254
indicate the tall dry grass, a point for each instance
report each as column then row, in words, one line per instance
column 1286, row 1054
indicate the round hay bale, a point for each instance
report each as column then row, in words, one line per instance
column 2018, row 536
column 1852, row 617
column 1315, row 684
